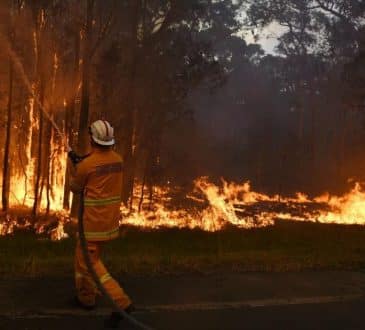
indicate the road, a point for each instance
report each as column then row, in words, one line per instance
column 323, row 300
column 336, row 316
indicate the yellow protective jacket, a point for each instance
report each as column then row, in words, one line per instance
column 99, row 176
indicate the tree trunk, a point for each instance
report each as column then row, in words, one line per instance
column 37, row 186
column 142, row 190
column 341, row 156
column 85, row 89
column 6, row 164
column 82, row 142
column 6, row 159
column 40, row 92
column 129, row 124
column 47, row 163
column 70, row 112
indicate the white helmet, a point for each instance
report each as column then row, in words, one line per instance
column 102, row 133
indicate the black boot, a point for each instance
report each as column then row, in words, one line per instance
column 115, row 317
column 76, row 303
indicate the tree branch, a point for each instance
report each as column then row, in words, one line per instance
column 332, row 11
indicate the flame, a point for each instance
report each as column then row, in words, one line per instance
column 209, row 206
column 347, row 209
column 22, row 181
column 215, row 206
column 230, row 203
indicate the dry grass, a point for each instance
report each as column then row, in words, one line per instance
column 287, row 246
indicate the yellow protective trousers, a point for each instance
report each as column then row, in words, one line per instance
column 85, row 286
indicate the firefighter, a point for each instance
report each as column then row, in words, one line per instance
column 99, row 177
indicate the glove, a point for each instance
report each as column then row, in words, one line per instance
column 75, row 158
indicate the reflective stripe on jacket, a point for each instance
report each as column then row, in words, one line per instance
column 99, row 176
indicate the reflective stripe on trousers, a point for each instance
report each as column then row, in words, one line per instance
column 102, row 235
column 103, row 278
column 85, row 287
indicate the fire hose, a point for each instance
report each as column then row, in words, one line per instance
column 95, row 277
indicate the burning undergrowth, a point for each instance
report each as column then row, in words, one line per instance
column 209, row 207
column 50, row 225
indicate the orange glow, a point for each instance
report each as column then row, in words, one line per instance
column 22, row 181
column 209, row 206
column 346, row 209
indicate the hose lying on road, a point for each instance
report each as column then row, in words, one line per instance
column 95, row 277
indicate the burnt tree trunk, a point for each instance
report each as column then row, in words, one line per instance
column 40, row 91
column 142, row 190
column 48, row 168
column 47, row 163
column 129, row 124
column 343, row 131
column 6, row 160
column 85, row 89
column 37, row 186
column 70, row 113
column 6, row 164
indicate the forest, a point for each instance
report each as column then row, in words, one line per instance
column 189, row 89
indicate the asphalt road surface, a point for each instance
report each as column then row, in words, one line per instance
column 339, row 316
column 325, row 300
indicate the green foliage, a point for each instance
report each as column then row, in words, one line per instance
column 331, row 28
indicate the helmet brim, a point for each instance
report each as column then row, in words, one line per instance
column 103, row 143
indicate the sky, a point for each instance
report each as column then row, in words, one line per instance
column 268, row 37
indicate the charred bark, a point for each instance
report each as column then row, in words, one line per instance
column 6, row 164
column 85, row 89
column 129, row 124
column 341, row 151
column 47, row 165
column 70, row 113
column 40, row 91
column 6, row 159
column 38, row 186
